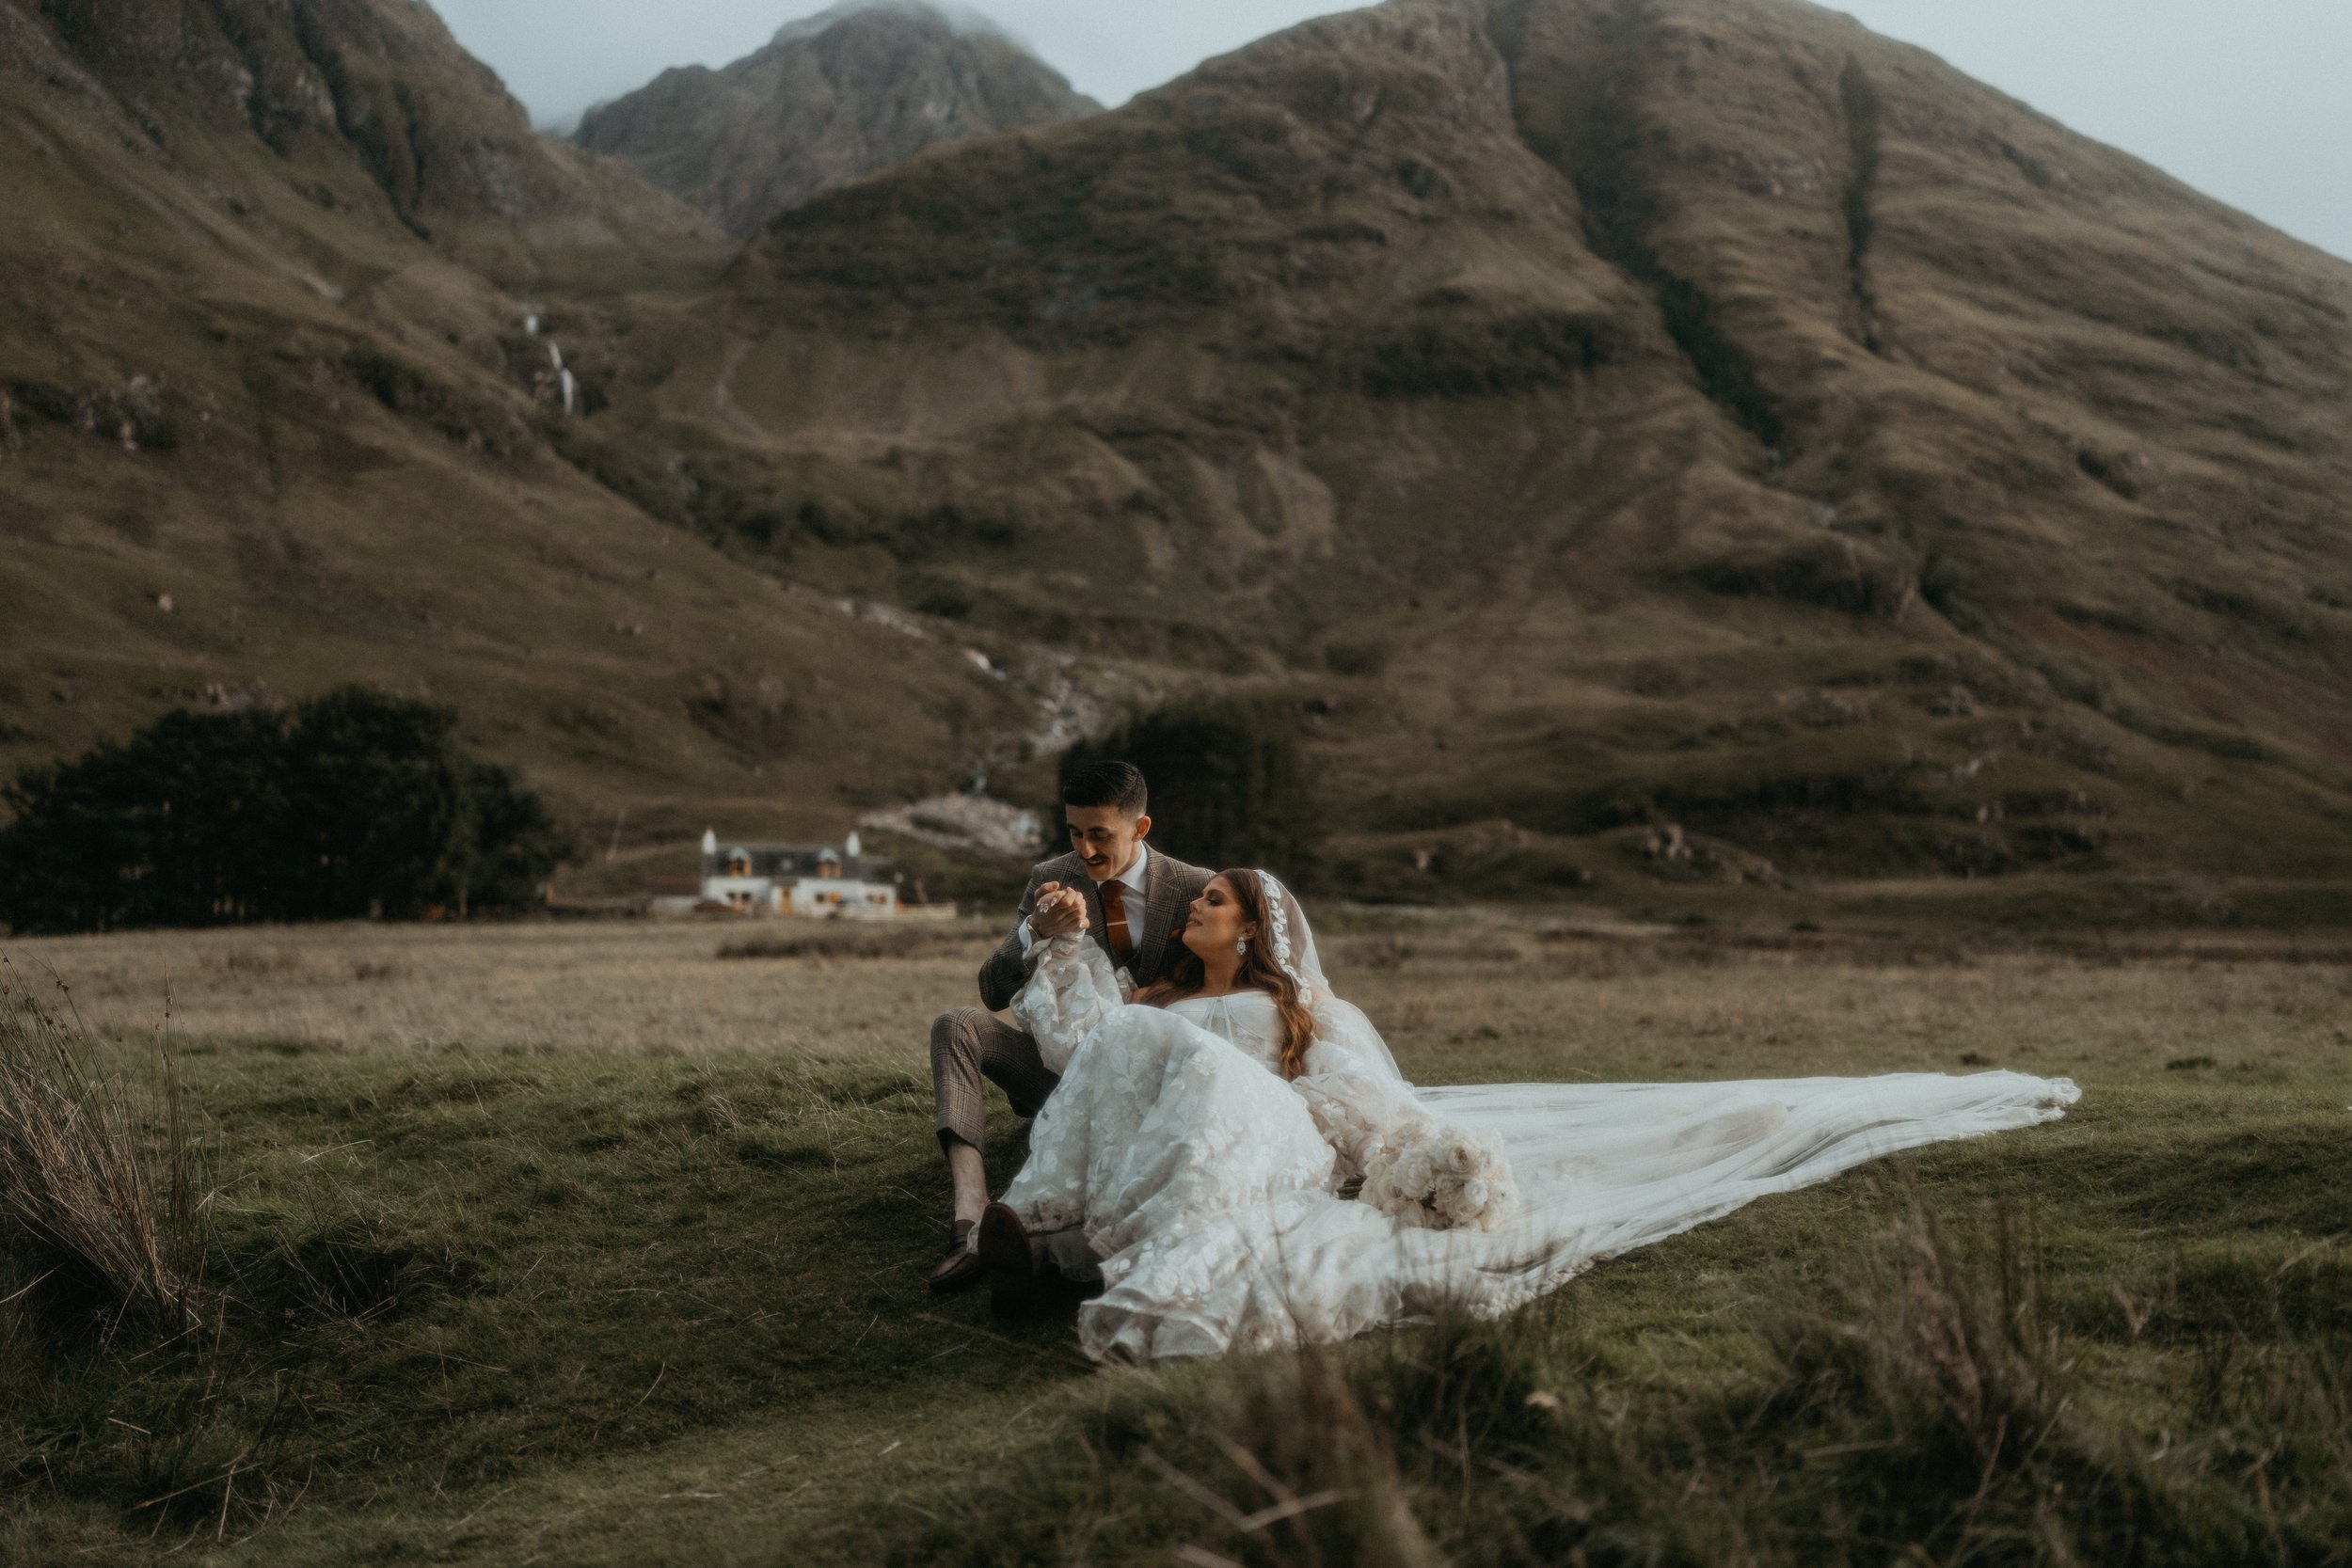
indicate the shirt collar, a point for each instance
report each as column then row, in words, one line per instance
column 1132, row 878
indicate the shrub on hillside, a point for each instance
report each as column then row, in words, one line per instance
column 354, row 804
column 1228, row 784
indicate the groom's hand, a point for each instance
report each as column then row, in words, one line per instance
column 1058, row 910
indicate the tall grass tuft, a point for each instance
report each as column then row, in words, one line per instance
column 1918, row 1402
column 97, row 1183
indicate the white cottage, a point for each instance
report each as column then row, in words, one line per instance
column 798, row 880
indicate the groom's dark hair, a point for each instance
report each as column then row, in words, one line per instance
column 1117, row 785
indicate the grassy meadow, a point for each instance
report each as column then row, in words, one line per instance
column 586, row 1244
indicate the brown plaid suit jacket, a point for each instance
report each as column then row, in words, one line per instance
column 1170, row 886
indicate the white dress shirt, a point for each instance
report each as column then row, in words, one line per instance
column 1130, row 904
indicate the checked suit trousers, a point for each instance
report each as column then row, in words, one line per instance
column 970, row 1050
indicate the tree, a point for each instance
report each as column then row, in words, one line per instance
column 358, row 803
column 1228, row 784
column 172, row 829
column 208, row 792
column 518, row 843
column 378, row 812
column 61, row 859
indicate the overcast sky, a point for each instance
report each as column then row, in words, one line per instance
column 2248, row 100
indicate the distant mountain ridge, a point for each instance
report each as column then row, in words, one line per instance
column 830, row 99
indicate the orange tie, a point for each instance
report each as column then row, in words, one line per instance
column 1115, row 923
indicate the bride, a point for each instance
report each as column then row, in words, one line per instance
column 1237, row 1154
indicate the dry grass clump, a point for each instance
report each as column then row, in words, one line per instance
column 97, row 1204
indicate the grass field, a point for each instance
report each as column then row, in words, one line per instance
column 584, row 1244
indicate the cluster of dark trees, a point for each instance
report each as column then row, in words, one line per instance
column 1228, row 784
column 352, row 805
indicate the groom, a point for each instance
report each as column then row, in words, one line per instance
column 1119, row 892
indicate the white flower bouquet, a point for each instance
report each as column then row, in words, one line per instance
column 1443, row 1179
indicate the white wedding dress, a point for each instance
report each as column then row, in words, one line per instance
column 1207, row 1189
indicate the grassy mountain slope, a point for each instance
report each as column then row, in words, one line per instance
column 1604, row 416
column 270, row 419
column 1694, row 440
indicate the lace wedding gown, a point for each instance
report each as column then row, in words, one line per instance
column 1208, row 1189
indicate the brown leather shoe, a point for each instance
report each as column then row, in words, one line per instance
column 962, row 1268
column 1006, row 1244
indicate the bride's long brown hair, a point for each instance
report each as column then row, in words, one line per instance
column 1258, row 970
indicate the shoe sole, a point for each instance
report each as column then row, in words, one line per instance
column 1004, row 1244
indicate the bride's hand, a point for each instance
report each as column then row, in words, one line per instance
column 1058, row 911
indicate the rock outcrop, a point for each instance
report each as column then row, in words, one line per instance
column 831, row 99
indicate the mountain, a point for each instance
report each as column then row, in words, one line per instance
column 284, row 289
column 830, row 99
column 364, row 106
column 1640, row 440
column 1690, row 430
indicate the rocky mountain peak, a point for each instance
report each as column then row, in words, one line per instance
column 831, row 99
column 960, row 19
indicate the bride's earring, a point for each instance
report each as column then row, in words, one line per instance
column 1242, row 948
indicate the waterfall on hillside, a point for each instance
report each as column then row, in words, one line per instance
column 567, row 382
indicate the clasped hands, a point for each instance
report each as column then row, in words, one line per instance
column 1058, row 911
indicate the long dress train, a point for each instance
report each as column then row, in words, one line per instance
column 1209, row 1189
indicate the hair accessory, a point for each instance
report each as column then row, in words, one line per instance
column 1276, row 916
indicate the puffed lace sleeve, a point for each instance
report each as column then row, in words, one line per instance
column 1070, row 986
column 1425, row 1171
